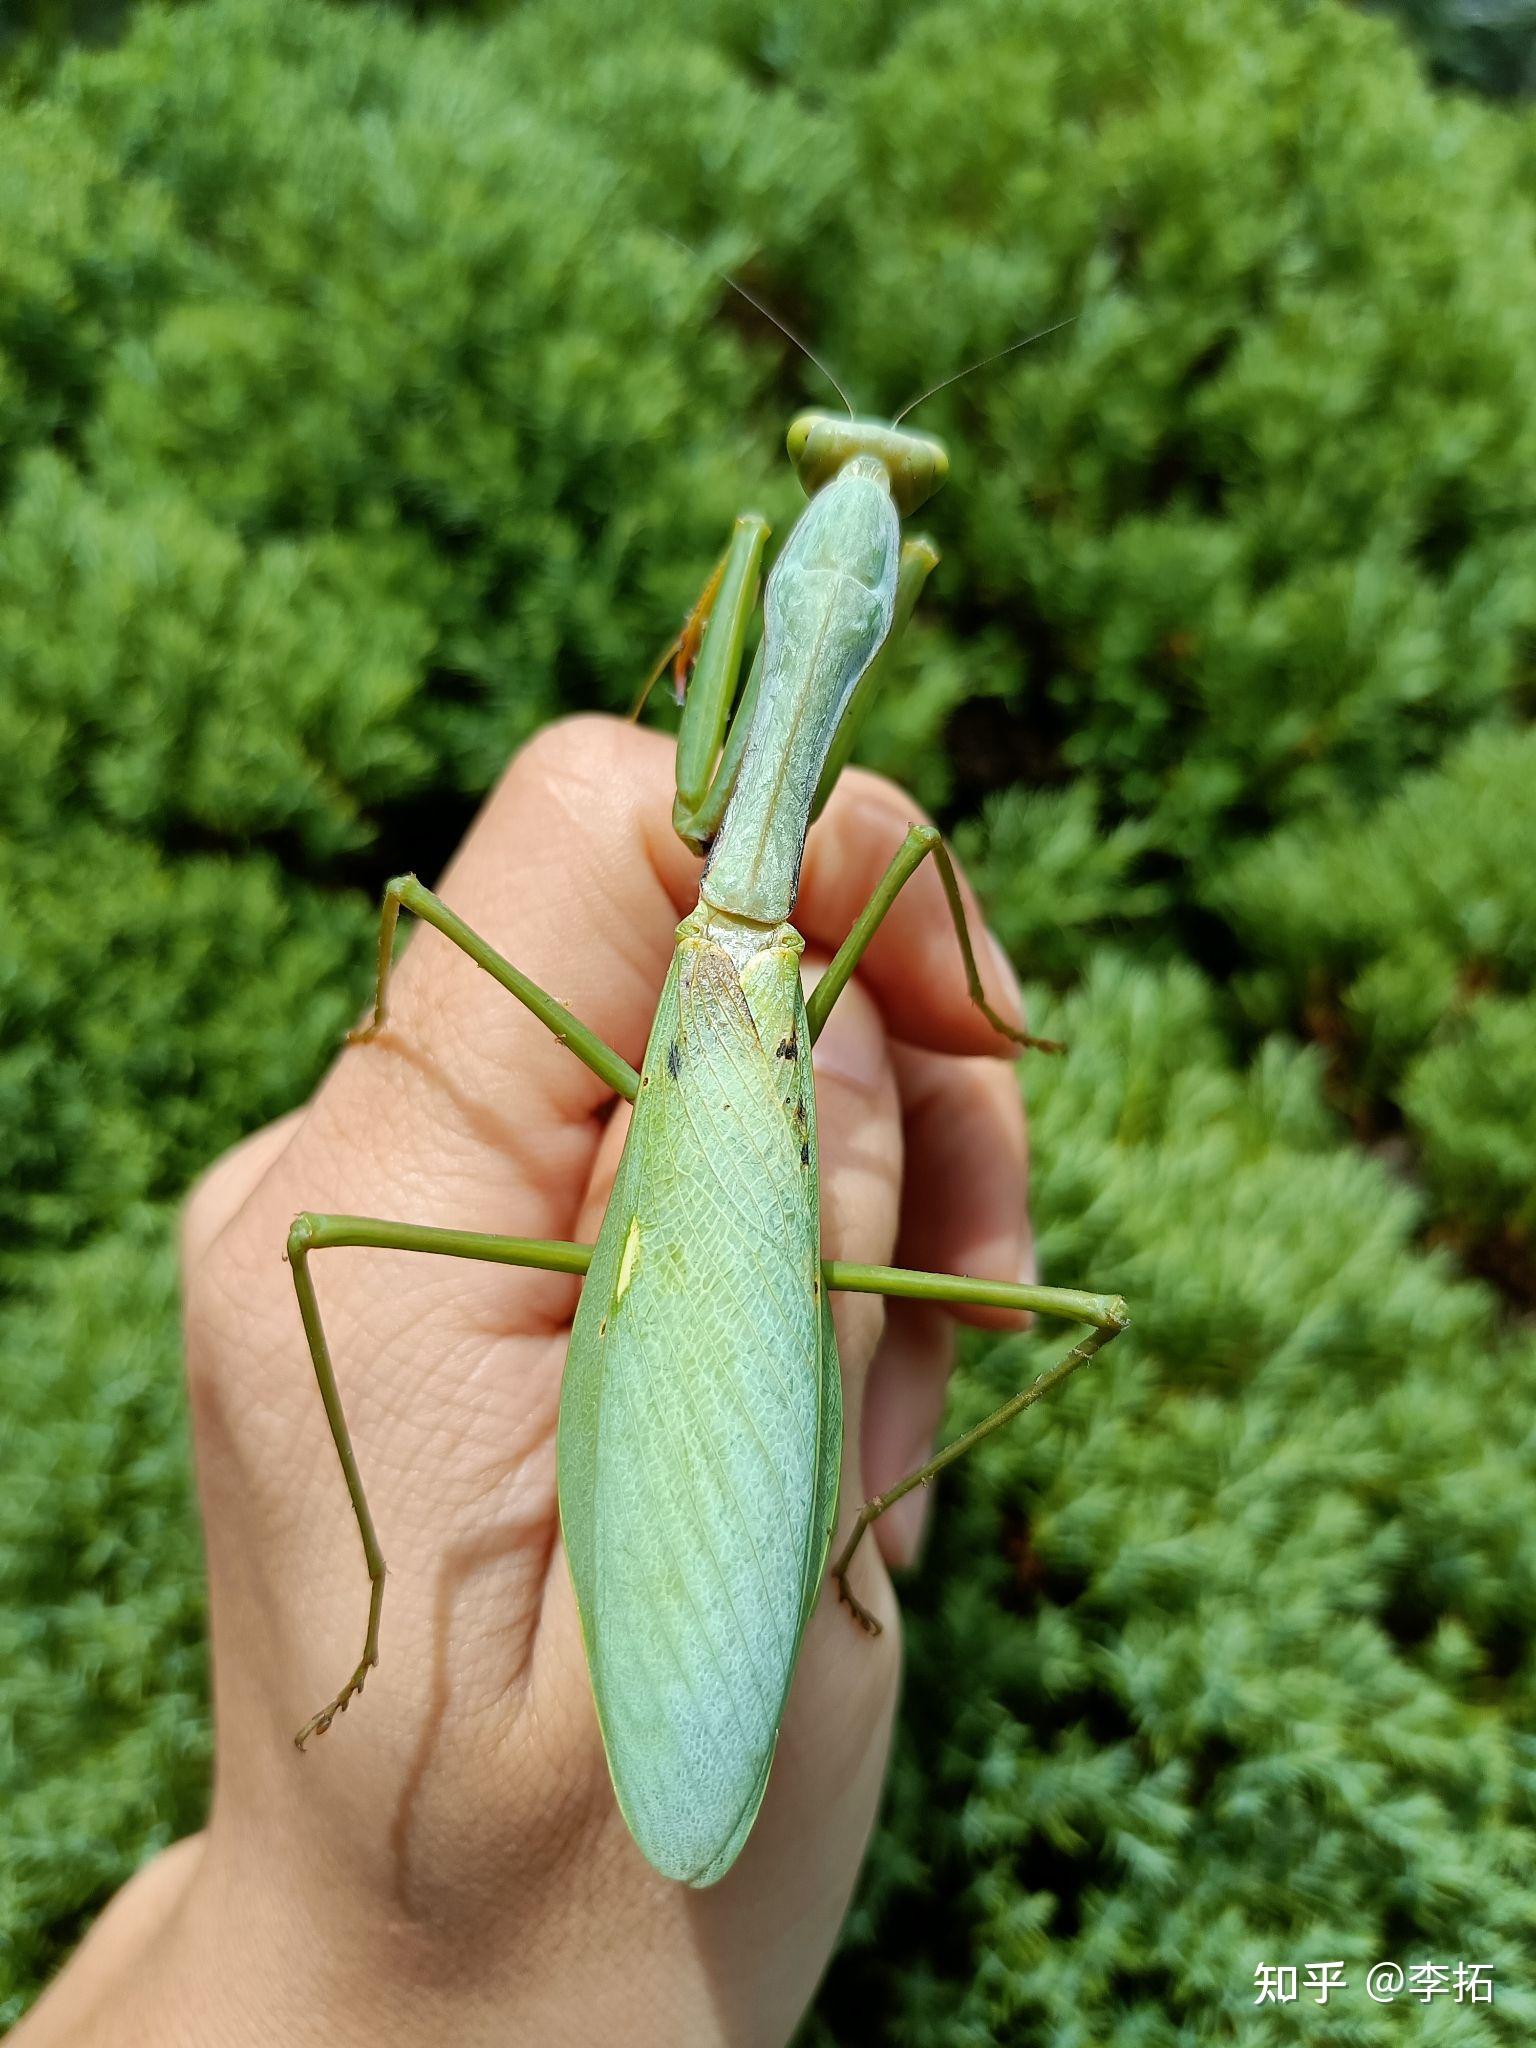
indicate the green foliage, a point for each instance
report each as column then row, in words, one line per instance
column 1406, row 914
column 1059, row 882
column 105, row 1745
column 1487, row 44
column 357, row 416
column 1392, row 934
column 1472, row 1102
column 153, row 1009
column 1243, row 544
column 33, row 32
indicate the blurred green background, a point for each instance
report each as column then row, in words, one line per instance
column 356, row 418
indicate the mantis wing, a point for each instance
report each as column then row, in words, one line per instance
column 701, row 1414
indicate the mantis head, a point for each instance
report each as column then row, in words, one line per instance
column 820, row 443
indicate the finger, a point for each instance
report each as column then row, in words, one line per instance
column 860, row 1141
column 913, row 964
column 904, row 1396
column 964, row 1210
column 965, row 1206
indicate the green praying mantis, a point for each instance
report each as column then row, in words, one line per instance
column 701, row 1416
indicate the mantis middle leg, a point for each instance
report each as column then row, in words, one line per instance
column 921, row 842
column 1105, row 1313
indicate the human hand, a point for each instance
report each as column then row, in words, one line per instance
column 449, row 1863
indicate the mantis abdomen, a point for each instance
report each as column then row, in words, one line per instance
column 701, row 1391
column 700, row 1422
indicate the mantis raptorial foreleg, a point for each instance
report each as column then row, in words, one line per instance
column 714, row 634
column 712, row 735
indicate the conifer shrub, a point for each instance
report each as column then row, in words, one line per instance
column 1246, row 540
column 1405, row 938
column 103, row 1699
column 1402, row 916
column 1472, row 1103
column 1269, row 1705
column 356, row 417
column 1487, row 44
column 152, row 1007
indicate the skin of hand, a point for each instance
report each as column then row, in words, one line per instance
column 448, row 1863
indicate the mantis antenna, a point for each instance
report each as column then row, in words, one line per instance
column 790, row 335
column 985, row 363
column 768, row 313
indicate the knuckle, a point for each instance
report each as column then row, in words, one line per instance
column 566, row 746
column 212, row 1202
column 231, row 1266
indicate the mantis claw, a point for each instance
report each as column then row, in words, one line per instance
column 1026, row 1040
column 855, row 1606
column 317, row 1724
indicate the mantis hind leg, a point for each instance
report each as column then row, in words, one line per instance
column 1104, row 1313
column 315, row 1233
column 920, row 842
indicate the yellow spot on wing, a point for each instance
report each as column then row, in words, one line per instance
column 627, row 1262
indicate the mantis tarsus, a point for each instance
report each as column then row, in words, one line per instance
column 700, row 1430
